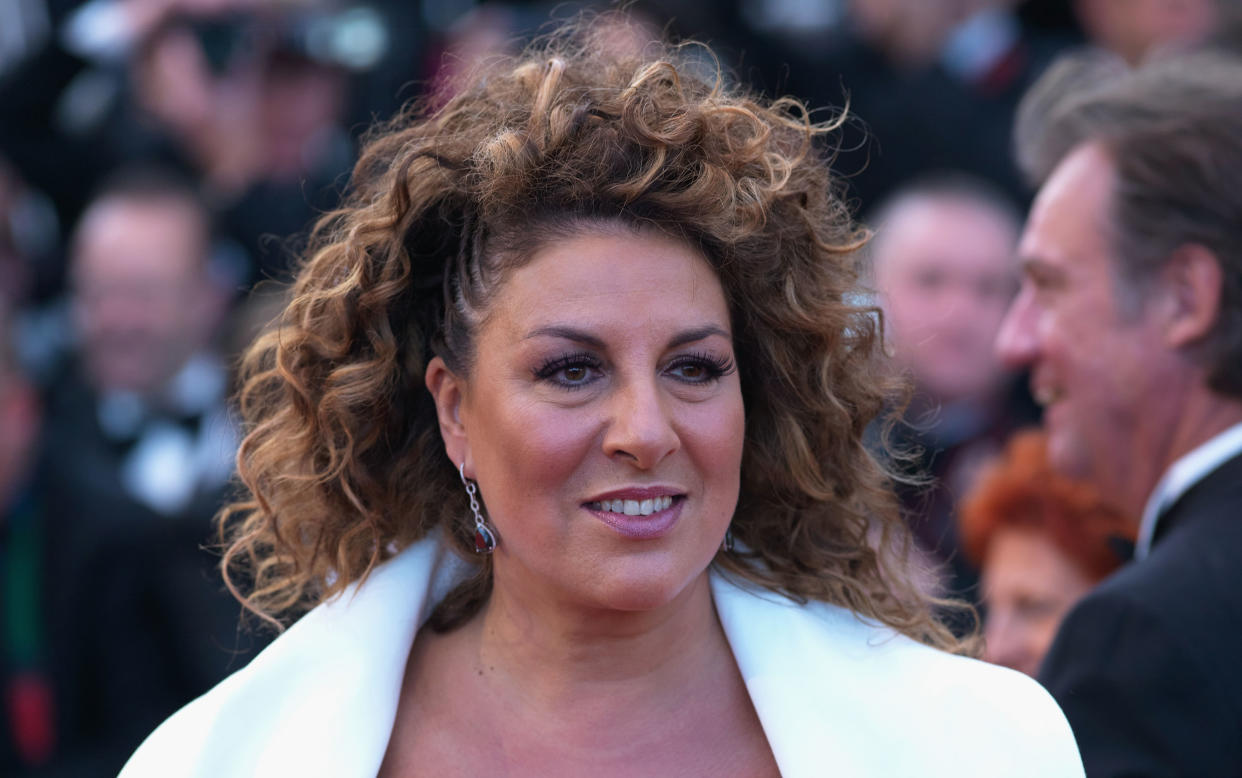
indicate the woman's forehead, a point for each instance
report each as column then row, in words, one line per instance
column 611, row 279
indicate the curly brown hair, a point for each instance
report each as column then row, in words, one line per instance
column 343, row 458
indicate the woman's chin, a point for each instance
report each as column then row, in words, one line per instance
column 633, row 591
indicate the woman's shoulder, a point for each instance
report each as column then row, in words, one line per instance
column 823, row 675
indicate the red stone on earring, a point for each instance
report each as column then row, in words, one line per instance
column 484, row 540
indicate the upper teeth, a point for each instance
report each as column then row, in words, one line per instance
column 634, row 507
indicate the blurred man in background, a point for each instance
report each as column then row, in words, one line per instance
column 943, row 266
column 1130, row 320
column 146, row 309
column 943, row 263
column 137, row 455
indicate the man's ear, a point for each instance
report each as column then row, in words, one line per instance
column 1193, row 282
column 448, row 391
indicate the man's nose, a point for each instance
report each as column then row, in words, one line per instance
column 640, row 427
column 1016, row 342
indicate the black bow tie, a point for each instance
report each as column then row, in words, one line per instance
column 1123, row 548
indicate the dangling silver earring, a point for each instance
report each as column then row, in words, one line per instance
column 727, row 545
column 484, row 538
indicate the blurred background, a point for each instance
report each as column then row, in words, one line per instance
column 159, row 160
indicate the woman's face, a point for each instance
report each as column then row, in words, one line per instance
column 1028, row 587
column 602, row 420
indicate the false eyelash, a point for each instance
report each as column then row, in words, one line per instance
column 552, row 366
column 717, row 366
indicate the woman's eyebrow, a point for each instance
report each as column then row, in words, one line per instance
column 587, row 339
column 699, row 333
column 568, row 333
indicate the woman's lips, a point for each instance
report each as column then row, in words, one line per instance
column 640, row 519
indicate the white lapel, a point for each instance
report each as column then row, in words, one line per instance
column 838, row 696
column 804, row 706
column 833, row 694
column 351, row 660
column 322, row 698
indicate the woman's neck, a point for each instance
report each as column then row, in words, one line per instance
column 568, row 691
column 549, row 653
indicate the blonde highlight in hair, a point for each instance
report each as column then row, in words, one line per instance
column 343, row 458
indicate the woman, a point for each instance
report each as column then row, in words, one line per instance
column 562, row 439
column 1041, row 541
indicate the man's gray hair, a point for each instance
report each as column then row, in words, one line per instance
column 1173, row 128
column 1045, row 128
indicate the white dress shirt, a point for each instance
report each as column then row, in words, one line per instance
column 1187, row 471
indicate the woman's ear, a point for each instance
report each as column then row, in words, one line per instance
column 447, row 390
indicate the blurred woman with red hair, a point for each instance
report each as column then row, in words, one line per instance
column 1042, row 541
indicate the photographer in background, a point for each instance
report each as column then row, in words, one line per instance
column 251, row 100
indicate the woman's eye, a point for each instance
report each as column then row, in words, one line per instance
column 700, row 369
column 570, row 371
column 575, row 374
column 690, row 372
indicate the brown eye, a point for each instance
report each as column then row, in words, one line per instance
column 699, row 368
column 571, row 371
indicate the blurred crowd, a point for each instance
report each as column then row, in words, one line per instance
column 160, row 160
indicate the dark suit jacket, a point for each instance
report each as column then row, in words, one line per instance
column 1148, row 667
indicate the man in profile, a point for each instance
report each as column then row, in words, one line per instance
column 1130, row 319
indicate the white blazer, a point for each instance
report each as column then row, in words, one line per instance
column 835, row 696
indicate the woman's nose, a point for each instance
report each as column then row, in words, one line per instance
column 640, row 428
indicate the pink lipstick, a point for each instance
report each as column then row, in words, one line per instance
column 641, row 513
